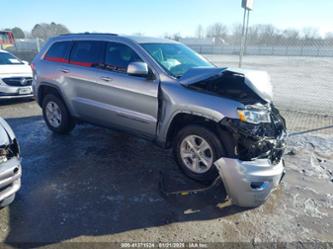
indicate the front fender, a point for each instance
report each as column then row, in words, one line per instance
column 176, row 99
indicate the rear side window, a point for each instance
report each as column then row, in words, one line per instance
column 118, row 56
column 59, row 52
column 87, row 53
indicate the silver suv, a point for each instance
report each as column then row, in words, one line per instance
column 217, row 120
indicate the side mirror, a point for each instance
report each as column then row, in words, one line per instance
column 25, row 62
column 138, row 69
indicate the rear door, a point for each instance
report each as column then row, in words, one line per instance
column 50, row 68
column 82, row 76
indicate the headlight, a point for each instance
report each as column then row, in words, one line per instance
column 255, row 114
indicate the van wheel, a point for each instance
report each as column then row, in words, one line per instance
column 196, row 149
column 56, row 115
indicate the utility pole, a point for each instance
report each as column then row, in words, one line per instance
column 247, row 5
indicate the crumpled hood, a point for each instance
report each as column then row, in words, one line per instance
column 258, row 81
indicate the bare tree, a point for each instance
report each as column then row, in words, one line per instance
column 266, row 34
column 310, row 33
column 291, row 34
column 200, row 32
column 236, row 33
column 218, row 31
column 175, row 36
column 329, row 36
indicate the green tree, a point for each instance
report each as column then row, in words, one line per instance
column 18, row 33
column 45, row 30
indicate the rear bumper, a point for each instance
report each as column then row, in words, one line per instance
column 10, row 178
column 249, row 183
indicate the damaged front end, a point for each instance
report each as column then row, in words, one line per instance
column 10, row 165
column 256, row 167
column 262, row 140
column 253, row 165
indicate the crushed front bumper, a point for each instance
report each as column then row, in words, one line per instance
column 10, row 178
column 249, row 183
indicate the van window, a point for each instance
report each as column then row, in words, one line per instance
column 87, row 53
column 118, row 56
column 59, row 52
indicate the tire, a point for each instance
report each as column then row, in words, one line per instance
column 182, row 149
column 7, row 201
column 56, row 115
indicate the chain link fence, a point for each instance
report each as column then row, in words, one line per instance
column 311, row 48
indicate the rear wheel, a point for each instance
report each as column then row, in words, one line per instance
column 196, row 149
column 56, row 115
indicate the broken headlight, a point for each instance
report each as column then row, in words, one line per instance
column 255, row 114
column 3, row 155
column 9, row 151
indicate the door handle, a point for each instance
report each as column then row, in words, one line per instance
column 107, row 79
column 64, row 70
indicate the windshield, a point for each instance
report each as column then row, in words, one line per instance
column 9, row 59
column 177, row 59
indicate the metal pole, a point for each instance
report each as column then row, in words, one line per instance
column 241, row 52
column 247, row 30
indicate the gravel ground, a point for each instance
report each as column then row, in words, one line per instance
column 299, row 83
column 98, row 185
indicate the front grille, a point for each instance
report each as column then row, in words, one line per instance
column 18, row 81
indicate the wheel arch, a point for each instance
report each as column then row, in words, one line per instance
column 47, row 88
column 182, row 119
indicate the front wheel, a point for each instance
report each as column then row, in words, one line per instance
column 196, row 148
column 56, row 115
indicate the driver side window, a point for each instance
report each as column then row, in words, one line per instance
column 119, row 56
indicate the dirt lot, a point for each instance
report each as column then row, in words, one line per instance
column 98, row 185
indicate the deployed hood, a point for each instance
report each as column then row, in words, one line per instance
column 243, row 85
column 15, row 69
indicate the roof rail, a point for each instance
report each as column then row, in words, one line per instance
column 88, row 33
